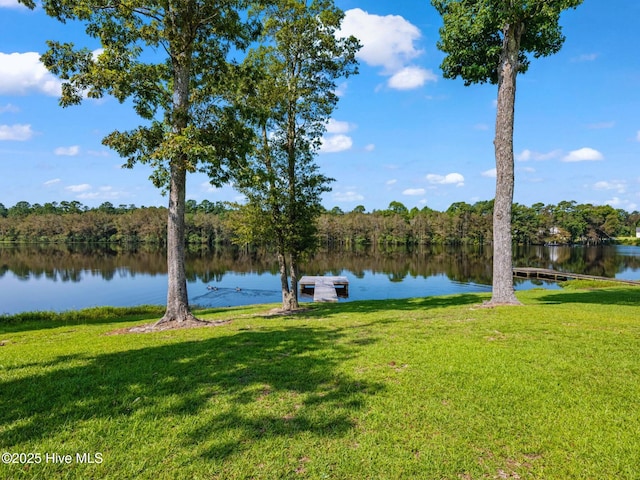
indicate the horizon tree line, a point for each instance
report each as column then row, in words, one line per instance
column 215, row 223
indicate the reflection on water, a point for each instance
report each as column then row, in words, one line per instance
column 61, row 277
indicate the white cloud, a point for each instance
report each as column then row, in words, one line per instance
column 341, row 89
column 388, row 42
column 71, row 151
column 414, row 191
column 336, row 143
column 411, row 77
column 9, row 108
column 370, row 147
column 78, row 188
column 104, row 193
column 11, row 4
column 448, row 179
column 489, row 173
column 348, row 196
column 89, row 196
column 336, row 126
column 96, row 53
column 527, row 155
column 585, row 57
column 53, row 181
column 601, row 125
column 23, row 73
column 393, row 181
column 101, row 153
column 616, row 202
column 583, row 155
column 18, row 132
column 483, row 127
column 524, row 156
column 207, row 187
column 618, row 185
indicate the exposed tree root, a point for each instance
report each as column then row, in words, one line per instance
column 178, row 318
column 170, row 325
column 193, row 322
column 491, row 304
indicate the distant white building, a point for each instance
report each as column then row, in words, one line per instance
column 637, row 232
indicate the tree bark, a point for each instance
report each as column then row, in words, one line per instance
column 293, row 275
column 284, row 281
column 503, row 292
column 177, row 297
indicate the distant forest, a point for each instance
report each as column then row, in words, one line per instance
column 212, row 223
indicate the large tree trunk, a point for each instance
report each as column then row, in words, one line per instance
column 284, row 281
column 289, row 293
column 502, row 242
column 293, row 274
column 177, row 298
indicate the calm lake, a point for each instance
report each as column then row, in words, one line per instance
column 62, row 278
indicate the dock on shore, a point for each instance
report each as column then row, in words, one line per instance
column 548, row 274
column 324, row 288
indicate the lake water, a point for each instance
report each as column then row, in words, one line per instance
column 71, row 277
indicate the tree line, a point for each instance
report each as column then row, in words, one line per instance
column 215, row 223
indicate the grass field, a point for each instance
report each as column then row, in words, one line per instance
column 428, row 388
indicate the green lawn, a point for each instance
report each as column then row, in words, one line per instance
column 428, row 388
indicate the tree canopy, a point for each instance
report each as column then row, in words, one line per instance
column 171, row 59
column 474, row 31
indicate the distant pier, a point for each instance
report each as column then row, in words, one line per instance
column 324, row 288
column 548, row 274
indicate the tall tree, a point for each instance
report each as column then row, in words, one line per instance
column 170, row 58
column 300, row 58
column 491, row 41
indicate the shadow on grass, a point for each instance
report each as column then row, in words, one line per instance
column 23, row 322
column 222, row 384
column 605, row 296
column 89, row 316
column 395, row 305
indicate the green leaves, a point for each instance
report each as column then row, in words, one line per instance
column 294, row 72
column 145, row 48
column 473, row 32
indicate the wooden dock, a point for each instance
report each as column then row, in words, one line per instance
column 324, row 288
column 548, row 274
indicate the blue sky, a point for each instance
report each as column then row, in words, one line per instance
column 401, row 132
